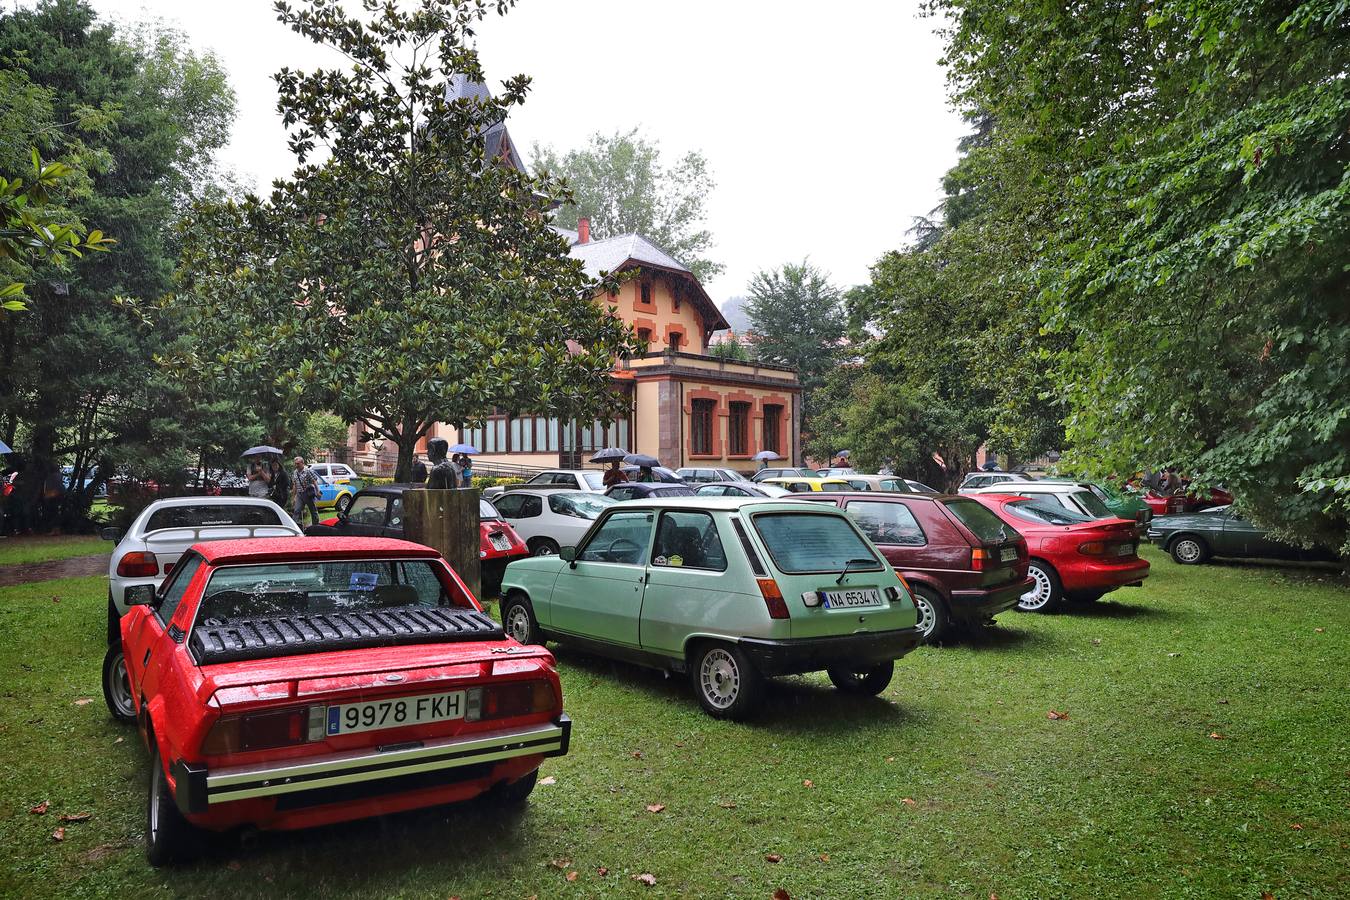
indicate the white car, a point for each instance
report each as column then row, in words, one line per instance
column 577, row 479
column 1077, row 498
column 709, row 476
column 548, row 520
column 977, row 480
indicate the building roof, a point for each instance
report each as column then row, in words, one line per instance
column 626, row 251
column 495, row 136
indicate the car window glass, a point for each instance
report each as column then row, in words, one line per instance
column 622, row 493
column 207, row 515
column 982, row 523
column 486, row 511
column 887, row 523
column 368, row 509
column 596, row 480
column 621, row 538
column 1088, row 503
column 891, row 485
column 396, row 512
column 509, row 505
column 802, row 542
column 167, row 602
column 317, row 588
column 688, row 540
column 799, row 487
column 712, row 490
column 532, row 507
column 1043, row 513
column 675, row 490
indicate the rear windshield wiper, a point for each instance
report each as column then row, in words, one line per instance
column 848, row 566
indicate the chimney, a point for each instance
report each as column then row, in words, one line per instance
column 583, row 230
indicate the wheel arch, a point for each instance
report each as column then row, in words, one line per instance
column 1178, row 535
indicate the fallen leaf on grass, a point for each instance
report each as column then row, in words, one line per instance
column 56, row 599
column 780, row 894
column 602, row 871
column 728, row 804
column 646, row 878
column 41, row 808
column 1056, row 715
column 1267, row 895
column 1319, row 630
column 84, row 701
column 824, row 857
column 637, row 754
column 1214, row 735
column 1173, row 655
column 1223, row 700
column 59, row 834
column 573, row 875
column 908, row 801
column 563, row 863
column 655, row 807
column 548, row 780
column 1096, row 642
column 890, row 759
column 1296, row 826
column 76, row 817
column 807, row 782
column 773, row 857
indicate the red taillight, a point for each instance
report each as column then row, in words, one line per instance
column 773, row 598
column 516, row 698
column 138, row 565
column 981, row 559
column 264, row 730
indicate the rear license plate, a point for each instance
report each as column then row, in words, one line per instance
column 1007, row 554
column 851, row 599
column 499, row 541
column 1125, row 550
column 350, row 718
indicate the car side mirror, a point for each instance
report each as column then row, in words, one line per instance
column 110, row 533
column 568, row 555
column 140, row 595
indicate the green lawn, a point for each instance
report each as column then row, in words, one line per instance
column 1206, row 754
column 38, row 549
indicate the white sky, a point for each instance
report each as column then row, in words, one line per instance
column 825, row 125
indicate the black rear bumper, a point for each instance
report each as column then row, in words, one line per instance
column 977, row 606
column 796, row 655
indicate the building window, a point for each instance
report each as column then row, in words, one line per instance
column 773, row 420
column 646, row 292
column 674, row 339
column 738, row 430
column 701, row 427
column 645, row 335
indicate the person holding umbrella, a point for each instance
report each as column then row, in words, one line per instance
column 614, row 456
column 764, row 456
column 259, row 470
column 645, row 465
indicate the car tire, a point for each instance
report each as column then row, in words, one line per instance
column 342, row 504
column 1189, row 550
column 117, row 686
column 726, row 682
column 513, row 793
column 870, row 681
column 518, row 619
column 1046, row 594
column 934, row 617
column 544, row 547
column 169, row 837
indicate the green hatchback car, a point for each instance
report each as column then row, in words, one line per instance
column 726, row 589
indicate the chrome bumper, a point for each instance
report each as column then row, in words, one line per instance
column 198, row 788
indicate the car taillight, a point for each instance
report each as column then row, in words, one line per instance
column 773, row 598
column 1092, row 548
column 515, row 698
column 981, row 559
column 265, row 730
column 138, row 565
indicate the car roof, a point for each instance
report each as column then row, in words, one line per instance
column 724, row 504
column 1036, row 487
column 281, row 549
column 894, row 496
column 209, row 501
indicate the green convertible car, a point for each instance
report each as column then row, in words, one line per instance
column 726, row 589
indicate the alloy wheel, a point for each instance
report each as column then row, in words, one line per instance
column 927, row 615
column 119, row 689
column 518, row 624
column 719, row 678
column 1188, row 550
column 1039, row 595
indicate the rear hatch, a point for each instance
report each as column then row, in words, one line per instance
column 1118, row 539
column 168, row 544
column 998, row 551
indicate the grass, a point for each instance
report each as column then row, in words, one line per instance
column 14, row 550
column 1206, row 754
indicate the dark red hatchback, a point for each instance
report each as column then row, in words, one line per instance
column 964, row 565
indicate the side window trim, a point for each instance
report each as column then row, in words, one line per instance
column 756, row 564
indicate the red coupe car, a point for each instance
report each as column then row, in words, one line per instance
column 292, row 682
column 1072, row 556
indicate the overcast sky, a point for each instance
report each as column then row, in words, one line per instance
column 825, row 125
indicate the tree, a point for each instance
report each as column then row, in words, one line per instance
column 401, row 278
column 136, row 115
column 730, row 348
column 620, row 184
column 1198, row 264
column 797, row 319
column 323, row 431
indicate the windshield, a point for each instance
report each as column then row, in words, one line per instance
column 315, row 588
column 207, row 515
column 486, row 511
column 982, row 523
column 580, row 505
column 802, row 543
column 1044, row 512
column 1088, row 503
column 596, row 480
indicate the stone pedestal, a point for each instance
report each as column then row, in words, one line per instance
column 447, row 521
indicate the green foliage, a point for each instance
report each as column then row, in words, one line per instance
column 323, row 431
column 401, row 278
column 620, row 183
column 733, row 348
column 1197, row 267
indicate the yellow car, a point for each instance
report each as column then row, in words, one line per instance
column 806, row 485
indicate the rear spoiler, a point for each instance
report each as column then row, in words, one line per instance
column 200, row 533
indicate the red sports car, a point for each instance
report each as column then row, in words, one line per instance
column 292, row 682
column 1072, row 556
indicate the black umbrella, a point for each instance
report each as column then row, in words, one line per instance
column 642, row 460
column 609, row 453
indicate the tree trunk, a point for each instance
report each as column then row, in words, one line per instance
column 407, row 443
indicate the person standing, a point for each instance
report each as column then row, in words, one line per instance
column 419, row 471
column 306, row 492
column 614, row 474
column 280, row 492
column 259, row 478
column 466, row 470
column 645, row 475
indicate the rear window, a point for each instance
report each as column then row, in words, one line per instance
column 595, row 479
column 315, row 588
column 486, row 511
column 982, row 523
column 205, row 516
column 582, row 506
column 1088, row 503
column 802, row 543
column 1045, row 512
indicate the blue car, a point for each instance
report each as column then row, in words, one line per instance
column 338, row 484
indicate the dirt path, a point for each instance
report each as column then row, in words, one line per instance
column 72, row 567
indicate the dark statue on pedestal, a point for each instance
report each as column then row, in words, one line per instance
column 442, row 476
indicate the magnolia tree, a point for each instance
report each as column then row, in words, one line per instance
column 400, row 277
